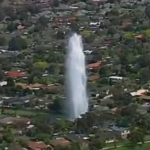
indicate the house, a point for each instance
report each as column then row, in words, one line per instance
column 20, row 27
column 114, row 79
column 145, row 98
column 120, row 132
column 38, row 86
column 142, row 94
column 16, row 74
column 15, row 121
column 80, row 138
column 8, row 102
column 139, row 92
column 38, row 146
column 107, row 43
column 3, row 83
column 7, row 120
column 126, row 25
column 140, row 37
column 115, row 110
column 94, row 65
column 21, row 123
column 5, row 55
column 60, row 142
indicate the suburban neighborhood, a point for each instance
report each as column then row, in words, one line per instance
column 116, row 44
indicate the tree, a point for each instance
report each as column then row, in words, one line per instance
column 144, row 60
column 136, row 136
column 123, row 121
column 131, row 58
column 51, row 69
column 147, row 11
column 2, row 40
column 55, row 3
column 60, row 125
column 96, row 143
column 2, row 15
column 65, row 1
column 8, row 136
column 23, row 15
column 60, row 35
column 129, row 110
column 10, row 12
column 23, row 143
column 43, row 21
column 111, row 31
column 17, row 43
column 42, row 126
column 41, row 65
column 38, row 28
column 33, row 9
column 11, row 27
column 10, row 82
column 144, row 74
column 90, row 38
column 103, row 71
column 43, row 137
column 56, row 106
column 2, row 75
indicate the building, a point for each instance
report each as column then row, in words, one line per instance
column 16, row 74
column 94, row 65
column 60, row 142
column 139, row 92
column 114, row 79
column 120, row 132
column 38, row 146
column 80, row 138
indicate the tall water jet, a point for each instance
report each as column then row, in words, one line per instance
column 76, row 79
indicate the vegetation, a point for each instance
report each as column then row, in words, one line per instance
column 115, row 38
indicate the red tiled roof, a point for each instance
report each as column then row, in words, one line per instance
column 60, row 142
column 95, row 65
column 108, row 43
column 140, row 36
column 36, row 145
column 16, row 74
column 38, row 86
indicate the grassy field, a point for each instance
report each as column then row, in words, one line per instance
column 128, row 146
column 22, row 112
column 144, row 147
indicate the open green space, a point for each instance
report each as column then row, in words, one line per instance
column 146, row 146
column 22, row 112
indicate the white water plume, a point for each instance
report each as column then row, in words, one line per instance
column 76, row 79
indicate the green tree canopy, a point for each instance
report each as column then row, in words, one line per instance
column 17, row 43
column 41, row 65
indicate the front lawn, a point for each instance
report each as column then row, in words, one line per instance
column 146, row 146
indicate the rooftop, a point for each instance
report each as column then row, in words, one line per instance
column 60, row 142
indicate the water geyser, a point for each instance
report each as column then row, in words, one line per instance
column 76, row 79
